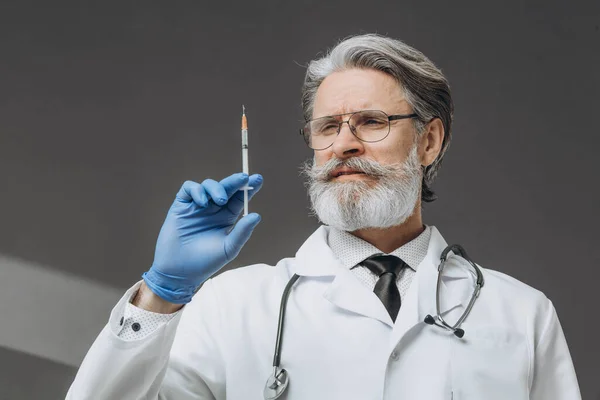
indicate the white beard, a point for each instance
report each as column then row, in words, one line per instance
column 387, row 198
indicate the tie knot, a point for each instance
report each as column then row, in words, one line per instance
column 381, row 264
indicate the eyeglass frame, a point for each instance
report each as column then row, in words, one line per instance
column 390, row 118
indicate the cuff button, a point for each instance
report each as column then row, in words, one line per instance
column 121, row 321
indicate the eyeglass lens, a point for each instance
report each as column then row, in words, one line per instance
column 369, row 126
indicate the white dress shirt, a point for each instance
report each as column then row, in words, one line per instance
column 136, row 323
column 351, row 250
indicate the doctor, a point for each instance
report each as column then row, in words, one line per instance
column 378, row 117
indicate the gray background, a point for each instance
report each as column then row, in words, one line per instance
column 107, row 107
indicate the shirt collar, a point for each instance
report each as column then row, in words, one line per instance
column 351, row 250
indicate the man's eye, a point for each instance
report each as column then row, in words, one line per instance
column 327, row 128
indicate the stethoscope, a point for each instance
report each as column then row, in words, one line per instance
column 278, row 382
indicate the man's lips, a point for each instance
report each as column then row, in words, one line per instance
column 344, row 171
column 349, row 173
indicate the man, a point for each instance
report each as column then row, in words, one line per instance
column 378, row 117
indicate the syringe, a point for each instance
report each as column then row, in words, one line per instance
column 245, row 156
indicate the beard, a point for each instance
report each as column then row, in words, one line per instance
column 388, row 197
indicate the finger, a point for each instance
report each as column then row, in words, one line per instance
column 192, row 191
column 236, row 204
column 255, row 182
column 233, row 183
column 239, row 235
column 215, row 191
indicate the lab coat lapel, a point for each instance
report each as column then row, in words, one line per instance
column 316, row 259
column 420, row 297
column 454, row 285
column 348, row 293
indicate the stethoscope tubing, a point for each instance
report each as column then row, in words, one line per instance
column 458, row 250
column 278, row 381
column 282, row 308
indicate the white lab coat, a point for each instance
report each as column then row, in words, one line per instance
column 339, row 341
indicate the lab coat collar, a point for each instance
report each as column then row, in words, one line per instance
column 421, row 296
column 316, row 259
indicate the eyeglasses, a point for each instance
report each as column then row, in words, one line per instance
column 367, row 125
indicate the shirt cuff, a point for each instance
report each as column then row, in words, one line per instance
column 136, row 323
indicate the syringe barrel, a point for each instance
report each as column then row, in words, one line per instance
column 244, row 138
column 245, row 150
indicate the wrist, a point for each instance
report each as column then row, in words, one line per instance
column 171, row 288
column 147, row 300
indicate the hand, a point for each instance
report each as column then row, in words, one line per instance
column 200, row 235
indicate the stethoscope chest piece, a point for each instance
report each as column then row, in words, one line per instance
column 276, row 384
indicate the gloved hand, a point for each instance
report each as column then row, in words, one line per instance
column 199, row 235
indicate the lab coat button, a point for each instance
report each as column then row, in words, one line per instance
column 135, row 326
column 394, row 356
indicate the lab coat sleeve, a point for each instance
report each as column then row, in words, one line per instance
column 553, row 375
column 177, row 361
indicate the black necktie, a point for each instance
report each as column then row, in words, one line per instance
column 387, row 268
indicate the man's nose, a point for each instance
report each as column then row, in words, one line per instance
column 346, row 144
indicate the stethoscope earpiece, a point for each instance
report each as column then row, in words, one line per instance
column 458, row 332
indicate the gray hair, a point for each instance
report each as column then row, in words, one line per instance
column 425, row 87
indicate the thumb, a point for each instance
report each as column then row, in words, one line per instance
column 239, row 235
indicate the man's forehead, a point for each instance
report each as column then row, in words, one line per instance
column 347, row 106
column 356, row 89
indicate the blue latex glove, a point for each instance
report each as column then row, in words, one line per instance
column 200, row 235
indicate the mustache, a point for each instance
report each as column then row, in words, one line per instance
column 364, row 165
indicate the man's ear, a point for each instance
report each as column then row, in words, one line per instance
column 430, row 144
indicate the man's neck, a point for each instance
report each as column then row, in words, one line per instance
column 389, row 239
